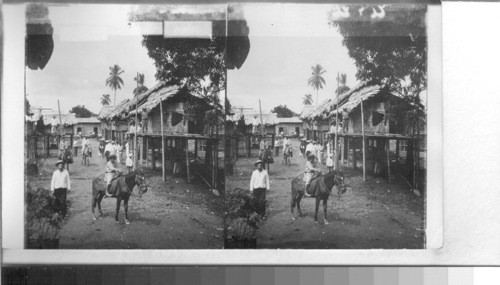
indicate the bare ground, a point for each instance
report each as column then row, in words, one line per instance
column 371, row 214
column 171, row 215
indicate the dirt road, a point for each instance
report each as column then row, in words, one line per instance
column 171, row 215
column 371, row 214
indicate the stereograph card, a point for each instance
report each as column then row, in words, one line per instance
column 220, row 133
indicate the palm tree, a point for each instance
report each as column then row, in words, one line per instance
column 307, row 99
column 105, row 99
column 317, row 80
column 140, row 84
column 342, row 78
column 114, row 80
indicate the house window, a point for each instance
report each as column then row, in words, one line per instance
column 280, row 130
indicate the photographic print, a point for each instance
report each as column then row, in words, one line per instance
column 327, row 131
column 124, row 127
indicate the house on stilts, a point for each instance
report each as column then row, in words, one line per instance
column 174, row 132
column 375, row 133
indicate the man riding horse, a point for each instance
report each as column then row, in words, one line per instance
column 112, row 172
column 310, row 173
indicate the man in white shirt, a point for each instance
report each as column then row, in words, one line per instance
column 108, row 149
column 259, row 184
column 310, row 148
column 60, row 185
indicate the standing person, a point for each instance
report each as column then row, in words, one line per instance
column 329, row 156
column 112, row 170
column 119, row 152
column 62, row 147
column 262, row 147
column 60, row 185
column 277, row 145
column 309, row 148
column 76, row 144
column 107, row 150
column 129, row 162
column 101, row 147
column 303, row 147
column 259, row 184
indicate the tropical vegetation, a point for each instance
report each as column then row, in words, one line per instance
column 114, row 81
column 316, row 80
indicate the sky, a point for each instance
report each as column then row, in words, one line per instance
column 285, row 42
column 88, row 39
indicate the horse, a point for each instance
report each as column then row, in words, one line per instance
column 267, row 158
column 86, row 153
column 287, row 153
column 329, row 179
column 67, row 157
column 129, row 180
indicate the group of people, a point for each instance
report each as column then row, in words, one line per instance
column 111, row 149
column 82, row 142
column 319, row 150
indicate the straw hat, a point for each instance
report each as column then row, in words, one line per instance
column 258, row 162
column 112, row 156
column 59, row 162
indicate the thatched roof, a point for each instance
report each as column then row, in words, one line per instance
column 122, row 110
column 90, row 120
column 105, row 110
column 308, row 109
column 291, row 120
column 347, row 101
column 155, row 97
column 51, row 117
column 146, row 101
column 253, row 118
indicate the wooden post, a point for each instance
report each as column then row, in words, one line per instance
column 363, row 133
column 354, row 161
column 153, row 156
column 147, row 151
column 187, row 161
column 397, row 150
column 196, row 148
column 261, row 121
column 388, row 146
column 348, row 148
column 164, row 175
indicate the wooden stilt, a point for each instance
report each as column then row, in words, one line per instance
column 147, row 151
column 164, row 174
column 388, row 146
column 196, row 148
column 397, row 150
column 364, row 148
column 187, row 161
column 153, row 156
column 354, row 156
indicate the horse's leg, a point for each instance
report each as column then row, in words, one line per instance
column 293, row 202
column 325, row 200
column 125, row 206
column 94, row 203
column 316, row 210
column 99, row 199
column 118, row 202
column 299, row 198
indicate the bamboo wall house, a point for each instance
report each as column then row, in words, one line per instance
column 248, row 128
column 44, row 129
column 173, row 132
column 373, row 132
